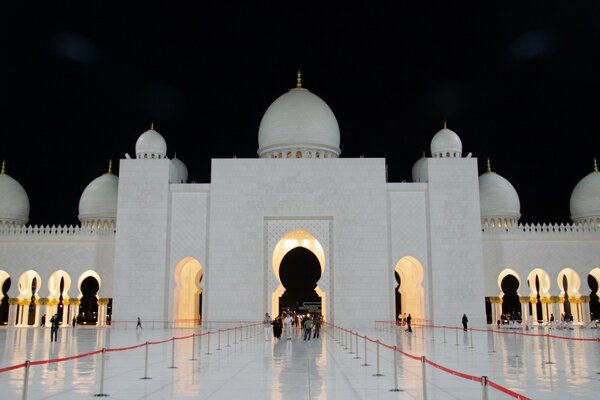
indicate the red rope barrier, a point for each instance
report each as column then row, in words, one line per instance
column 12, row 367
column 507, row 391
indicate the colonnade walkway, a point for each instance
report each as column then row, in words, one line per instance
column 166, row 363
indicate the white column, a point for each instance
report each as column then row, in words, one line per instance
column 65, row 316
column 12, row 311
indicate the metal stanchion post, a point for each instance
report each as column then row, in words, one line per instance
column 350, row 340
column 26, row 379
column 173, row 353
column 548, row 347
column 146, row 364
column 102, row 394
column 208, row 343
column 395, row 389
column 424, row 376
column 193, row 347
column 235, row 341
column 456, row 330
column 365, row 364
column 356, row 356
column 484, row 387
column 219, row 340
column 228, row 345
column 378, row 372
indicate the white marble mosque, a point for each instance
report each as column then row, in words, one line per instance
column 153, row 245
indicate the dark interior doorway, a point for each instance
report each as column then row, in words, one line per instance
column 594, row 305
column 88, row 307
column 4, row 303
column 299, row 273
column 510, row 301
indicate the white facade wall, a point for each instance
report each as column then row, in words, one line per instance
column 141, row 263
column 352, row 192
column 456, row 272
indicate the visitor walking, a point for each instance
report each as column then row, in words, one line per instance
column 139, row 323
column 267, row 326
column 464, row 322
column 317, row 324
column 289, row 321
column 408, row 321
column 277, row 327
column 307, row 324
column 54, row 328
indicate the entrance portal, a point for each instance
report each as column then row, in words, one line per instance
column 298, row 265
column 187, row 295
column 299, row 273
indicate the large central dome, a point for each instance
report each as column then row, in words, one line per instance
column 299, row 125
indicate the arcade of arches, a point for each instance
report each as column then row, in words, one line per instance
column 535, row 298
column 29, row 309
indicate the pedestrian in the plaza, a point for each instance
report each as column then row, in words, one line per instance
column 289, row 321
column 277, row 327
column 54, row 328
column 307, row 324
column 465, row 320
column 74, row 321
column 139, row 323
column 317, row 326
column 267, row 326
column 408, row 321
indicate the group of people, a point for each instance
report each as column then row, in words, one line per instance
column 310, row 324
column 405, row 321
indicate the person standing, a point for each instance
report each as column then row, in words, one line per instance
column 277, row 327
column 54, row 328
column 139, row 324
column 464, row 322
column 408, row 321
column 307, row 324
column 289, row 321
column 317, row 324
column 74, row 321
column 267, row 326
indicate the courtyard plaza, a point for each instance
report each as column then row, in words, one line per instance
column 234, row 361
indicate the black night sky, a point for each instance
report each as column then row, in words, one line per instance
column 519, row 82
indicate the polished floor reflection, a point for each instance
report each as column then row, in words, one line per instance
column 242, row 364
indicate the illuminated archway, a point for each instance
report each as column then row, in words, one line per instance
column 569, row 283
column 509, row 299
column 59, row 284
column 29, row 285
column 594, row 283
column 539, row 293
column 4, row 287
column 297, row 238
column 412, row 293
column 89, row 311
column 187, row 294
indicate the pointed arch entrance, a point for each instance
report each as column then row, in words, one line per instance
column 569, row 298
column 539, row 287
column 289, row 242
column 412, row 294
column 187, row 295
column 509, row 283
column 594, row 283
column 4, row 287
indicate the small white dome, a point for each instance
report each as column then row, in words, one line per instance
column 178, row 172
column 298, row 125
column 498, row 199
column 446, row 144
column 98, row 202
column 419, row 170
column 151, row 144
column 585, row 199
column 14, row 202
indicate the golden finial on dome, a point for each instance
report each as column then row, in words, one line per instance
column 489, row 166
column 595, row 166
column 445, row 125
column 298, row 80
column 3, row 172
column 109, row 167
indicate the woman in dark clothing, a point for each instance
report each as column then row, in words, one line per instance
column 277, row 327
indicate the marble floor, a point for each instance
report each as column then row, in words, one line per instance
column 243, row 365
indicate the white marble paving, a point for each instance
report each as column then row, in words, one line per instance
column 249, row 367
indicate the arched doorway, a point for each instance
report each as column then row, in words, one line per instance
column 593, row 283
column 88, row 302
column 299, row 273
column 29, row 284
column 509, row 286
column 539, row 286
column 412, row 294
column 187, row 294
column 569, row 284
column 59, row 284
column 4, row 287
column 290, row 241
